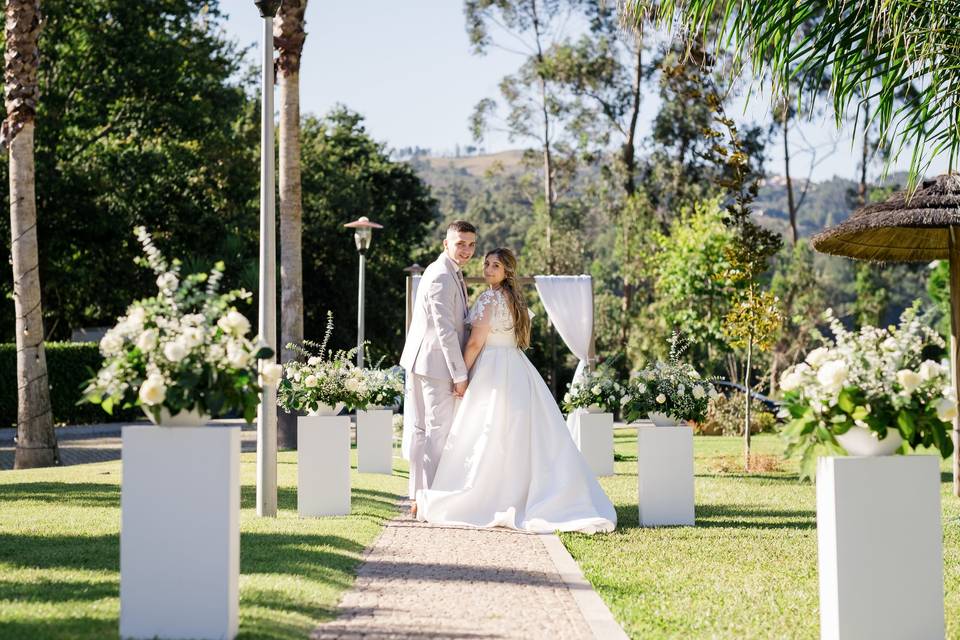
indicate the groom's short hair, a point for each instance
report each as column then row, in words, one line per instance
column 461, row 226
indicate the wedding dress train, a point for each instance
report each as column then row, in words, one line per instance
column 509, row 459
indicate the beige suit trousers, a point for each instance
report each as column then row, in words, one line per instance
column 435, row 408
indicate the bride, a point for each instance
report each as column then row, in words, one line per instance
column 509, row 460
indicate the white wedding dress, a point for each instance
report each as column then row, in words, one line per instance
column 509, row 460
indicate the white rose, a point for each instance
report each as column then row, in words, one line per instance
column 566, row 398
column 234, row 323
column 147, row 340
column 271, row 374
column 930, row 370
column 698, row 392
column 192, row 336
column 946, row 409
column 175, row 351
column 790, row 380
column 111, row 343
column 681, row 390
column 909, row 380
column 237, row 355
column 310, row 381
column 314, row 361
column 625, row 399
column 661, row 399
column 642, row 388
column 817, row 357
column 153, row 390
column 352, row 385
column 832, row 375
column 712, row 391
column 136, row 317
column 596, row 390
column 168, row 282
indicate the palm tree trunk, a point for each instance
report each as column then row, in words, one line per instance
column 791, row 203
column 746, row 426
column 289, row 36
column 291, row 231
column 36, row 440
column 864, row 156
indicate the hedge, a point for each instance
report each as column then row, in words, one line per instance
column 69, row 365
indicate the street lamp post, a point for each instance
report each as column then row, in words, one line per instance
column 362, row 236
column 267, row 412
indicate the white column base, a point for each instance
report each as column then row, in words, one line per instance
column 665, row 476
column 323, row 466
column 879, row 538
column 596, row 442
column 180, row 532
column 375, row 441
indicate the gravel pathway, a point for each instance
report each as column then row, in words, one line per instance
column 423, row 581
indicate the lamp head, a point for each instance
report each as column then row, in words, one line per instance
column 363, row 232
column 268, row 8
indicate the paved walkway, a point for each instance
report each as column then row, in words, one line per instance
column 420, row 581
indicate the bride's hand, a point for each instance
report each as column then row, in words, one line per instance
column 460, row 388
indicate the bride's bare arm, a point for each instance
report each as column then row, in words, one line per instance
column 478, row 337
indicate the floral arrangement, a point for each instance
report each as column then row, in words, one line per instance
column 321, row 377
column 185, row 349
column 673, row 388
column 877, row 379
column 597, row 388
column 384, row 387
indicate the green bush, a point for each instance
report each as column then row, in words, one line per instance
column 725, row 417
column 69, row 366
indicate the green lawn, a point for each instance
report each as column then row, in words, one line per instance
column 749, row 567
column 59, row 551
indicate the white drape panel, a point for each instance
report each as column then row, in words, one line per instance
column 569, row 304
column 409, row 408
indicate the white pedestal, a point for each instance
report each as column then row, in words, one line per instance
column 665, row 476
column 323, row 466
column 180, row 532
column 375, row 441
column 596, row 442
column 879, row 538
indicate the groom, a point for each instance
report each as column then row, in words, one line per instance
column 433, row 353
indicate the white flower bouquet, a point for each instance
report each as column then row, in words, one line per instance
column 597, row 388
column 384, row 387
column 184, row 350
column 322, row 380
column 876, row 379
column 673, row 388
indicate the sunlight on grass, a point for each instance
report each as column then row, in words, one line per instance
column 749, row 567
column 59, row 551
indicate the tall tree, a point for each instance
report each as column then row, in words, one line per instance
column 289, row 36
column 36, row 441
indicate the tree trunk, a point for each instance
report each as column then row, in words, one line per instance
column 291, row 226
column 36, row 440
column 289, row 36
column 791, row 204
column 746, row 385
column 629, row 151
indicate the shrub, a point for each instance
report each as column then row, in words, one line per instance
column 69, row 365
column 725, row 416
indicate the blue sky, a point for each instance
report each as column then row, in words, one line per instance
column 407, row 67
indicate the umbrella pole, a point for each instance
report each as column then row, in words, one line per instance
column 954, row 245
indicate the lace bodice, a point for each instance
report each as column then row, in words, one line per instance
column 491, row 309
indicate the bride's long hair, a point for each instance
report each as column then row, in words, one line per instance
column 515, row 299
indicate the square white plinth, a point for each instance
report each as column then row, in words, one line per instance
column 375, row 441
column 596, row 442
column 665, row 476
column 180, row 532
column 879, row 538
column 323, row 466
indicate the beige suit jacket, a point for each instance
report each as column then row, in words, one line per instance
column 437, row 335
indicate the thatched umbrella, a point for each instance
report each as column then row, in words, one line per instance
column 920, row 227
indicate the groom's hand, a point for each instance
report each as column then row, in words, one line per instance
column 459, row 388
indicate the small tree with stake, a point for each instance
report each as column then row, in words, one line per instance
column 755, row 318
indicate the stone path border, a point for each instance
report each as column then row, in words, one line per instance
column 421, row 581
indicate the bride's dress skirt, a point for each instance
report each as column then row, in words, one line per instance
column 509, row 460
